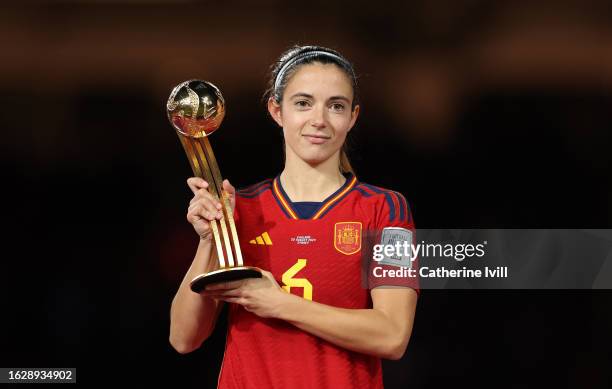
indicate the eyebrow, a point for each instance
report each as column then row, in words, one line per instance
column 301, row 94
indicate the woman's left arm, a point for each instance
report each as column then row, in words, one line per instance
column 383, row 330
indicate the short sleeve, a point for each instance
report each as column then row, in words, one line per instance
column 393, row 226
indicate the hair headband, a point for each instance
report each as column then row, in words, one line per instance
column 309, row 54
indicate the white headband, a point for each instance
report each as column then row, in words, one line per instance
column 299, row 57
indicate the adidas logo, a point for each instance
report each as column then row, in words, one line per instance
column 263, row 239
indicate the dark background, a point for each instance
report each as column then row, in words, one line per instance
column 483, row 114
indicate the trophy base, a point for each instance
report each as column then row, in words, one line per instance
column 224, row 275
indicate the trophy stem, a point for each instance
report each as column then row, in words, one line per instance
column 199, row 165
column 213, row 177
column 229, row 216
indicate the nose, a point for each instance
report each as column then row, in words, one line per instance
column 318, row 119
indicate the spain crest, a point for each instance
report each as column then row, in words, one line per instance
column 347, row 237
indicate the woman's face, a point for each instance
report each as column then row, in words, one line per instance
column 315, row 112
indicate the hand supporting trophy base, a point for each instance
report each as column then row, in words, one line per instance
column 196, row 109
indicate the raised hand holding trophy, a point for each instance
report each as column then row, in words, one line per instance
column 196, row 109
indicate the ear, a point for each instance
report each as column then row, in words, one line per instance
column 354, row 116
column 275, row 111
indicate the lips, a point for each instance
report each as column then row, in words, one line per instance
column 316, row 139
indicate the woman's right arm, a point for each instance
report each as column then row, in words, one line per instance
column 193, row 316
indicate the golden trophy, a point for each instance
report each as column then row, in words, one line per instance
column 196, row 109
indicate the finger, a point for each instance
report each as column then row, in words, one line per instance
column 235, row 300
column 206, row 208
column 215, row 200
column 208, row 201
column 200, row 194
column 224, row 285
column 196, row 183
column 197, row 214
column 222, row 293
column 200, row 212
column 205, row 194
column 193, row 218
column 207, row 204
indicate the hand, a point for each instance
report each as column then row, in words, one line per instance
column 261, row 296
column 203, row 207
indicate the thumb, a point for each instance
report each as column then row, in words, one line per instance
column 231, row 192
column 229, row 188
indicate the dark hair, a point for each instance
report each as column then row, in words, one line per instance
column 291, row 60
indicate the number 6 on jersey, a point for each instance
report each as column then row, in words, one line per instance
column 290, row 282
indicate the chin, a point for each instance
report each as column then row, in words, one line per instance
column 314, row 155
column 313, row 161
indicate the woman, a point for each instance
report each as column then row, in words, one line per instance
column 317, row 326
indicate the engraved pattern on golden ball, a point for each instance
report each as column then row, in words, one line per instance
column 195, row 108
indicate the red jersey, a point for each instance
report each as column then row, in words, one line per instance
column 320, row 259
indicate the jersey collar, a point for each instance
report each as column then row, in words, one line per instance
column 287, row 205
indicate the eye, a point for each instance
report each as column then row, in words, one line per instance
column 337, row 107
column 302, row 103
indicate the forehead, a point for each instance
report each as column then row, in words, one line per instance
column 319, row 79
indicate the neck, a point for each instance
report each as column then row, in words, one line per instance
column 304, row 182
